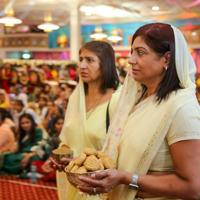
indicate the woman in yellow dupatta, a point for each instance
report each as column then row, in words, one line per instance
column 85, row 120
column 154, row 135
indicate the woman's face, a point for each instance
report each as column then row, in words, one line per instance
column 89, row 66
column 147, row 67
column 49, row 104
column 26, row 124
column 17, row 107
column 42, row 102
column 64, row 104
column 47, row 88
column 59, row 125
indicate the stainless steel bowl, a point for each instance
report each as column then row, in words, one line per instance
column 74, row 180
column 58, row 156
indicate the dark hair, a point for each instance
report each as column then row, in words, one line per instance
column 105, row 53
column 65, row 100
column 23, row 133
column 43, row 98
column 60, row 110
column 52, row 130
column 122, row 73
column 46, row 85
column 160, row 38
column 4, row 114
column 19, row 102
column 53, row 104
column 71, row 66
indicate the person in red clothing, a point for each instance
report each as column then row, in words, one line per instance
column 47, row 71
column 5, row 75
column 73, row 71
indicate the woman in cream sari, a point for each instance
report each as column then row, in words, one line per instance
column 154, row 135
column 85, row 120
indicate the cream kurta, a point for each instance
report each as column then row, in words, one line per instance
column 134, row 139
column 81, row 130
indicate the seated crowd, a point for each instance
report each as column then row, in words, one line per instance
column 29, row 128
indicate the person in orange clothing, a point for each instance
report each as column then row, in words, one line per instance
column 7, row 138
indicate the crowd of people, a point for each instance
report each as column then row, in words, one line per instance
column 149, row 123
column 30, row 124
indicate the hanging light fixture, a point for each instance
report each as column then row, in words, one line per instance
column 98, row 34
column 9, row 20
column 48, row 26
column 114, row 36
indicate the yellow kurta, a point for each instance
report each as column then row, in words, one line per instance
column 81, row 130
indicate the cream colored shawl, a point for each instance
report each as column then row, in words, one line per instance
column 147, row 126
column 80, row 131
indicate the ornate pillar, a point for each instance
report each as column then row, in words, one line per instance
column 75, row 31
column 2, row 50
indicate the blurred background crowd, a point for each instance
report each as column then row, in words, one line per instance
column 33, row 102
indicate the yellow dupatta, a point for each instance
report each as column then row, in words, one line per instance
column 80, row 131
column 146, row 127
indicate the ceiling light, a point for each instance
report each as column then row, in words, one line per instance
column 48, row 26
column 98, row 34
column 155, row 8
column 114, row 36
column 194, row 33
column 9, row 20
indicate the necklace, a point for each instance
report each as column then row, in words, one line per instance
column 94, row 108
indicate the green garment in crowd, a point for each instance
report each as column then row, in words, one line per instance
column 11, row 162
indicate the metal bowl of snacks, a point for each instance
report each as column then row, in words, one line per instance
column 60, row 153
column 74, row 180
column 86, row 164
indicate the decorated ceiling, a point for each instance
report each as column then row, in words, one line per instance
column 102, row 11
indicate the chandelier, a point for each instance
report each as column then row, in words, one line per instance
column 114, row 36
column 48, row 26
column 98, row 34
column 9, row 20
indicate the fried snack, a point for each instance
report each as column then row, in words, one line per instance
column 81, row 170
column 62, row 151
column 101, row 166
column 90, row 151
column 109, row 163
column 81, row 158
column 74, row 168
column 70, row 166
column 91, row 163
column 100, row 154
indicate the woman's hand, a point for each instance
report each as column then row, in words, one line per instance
column 46, row 167
column 102, row 182
column 60, row 166
column 24, row 161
